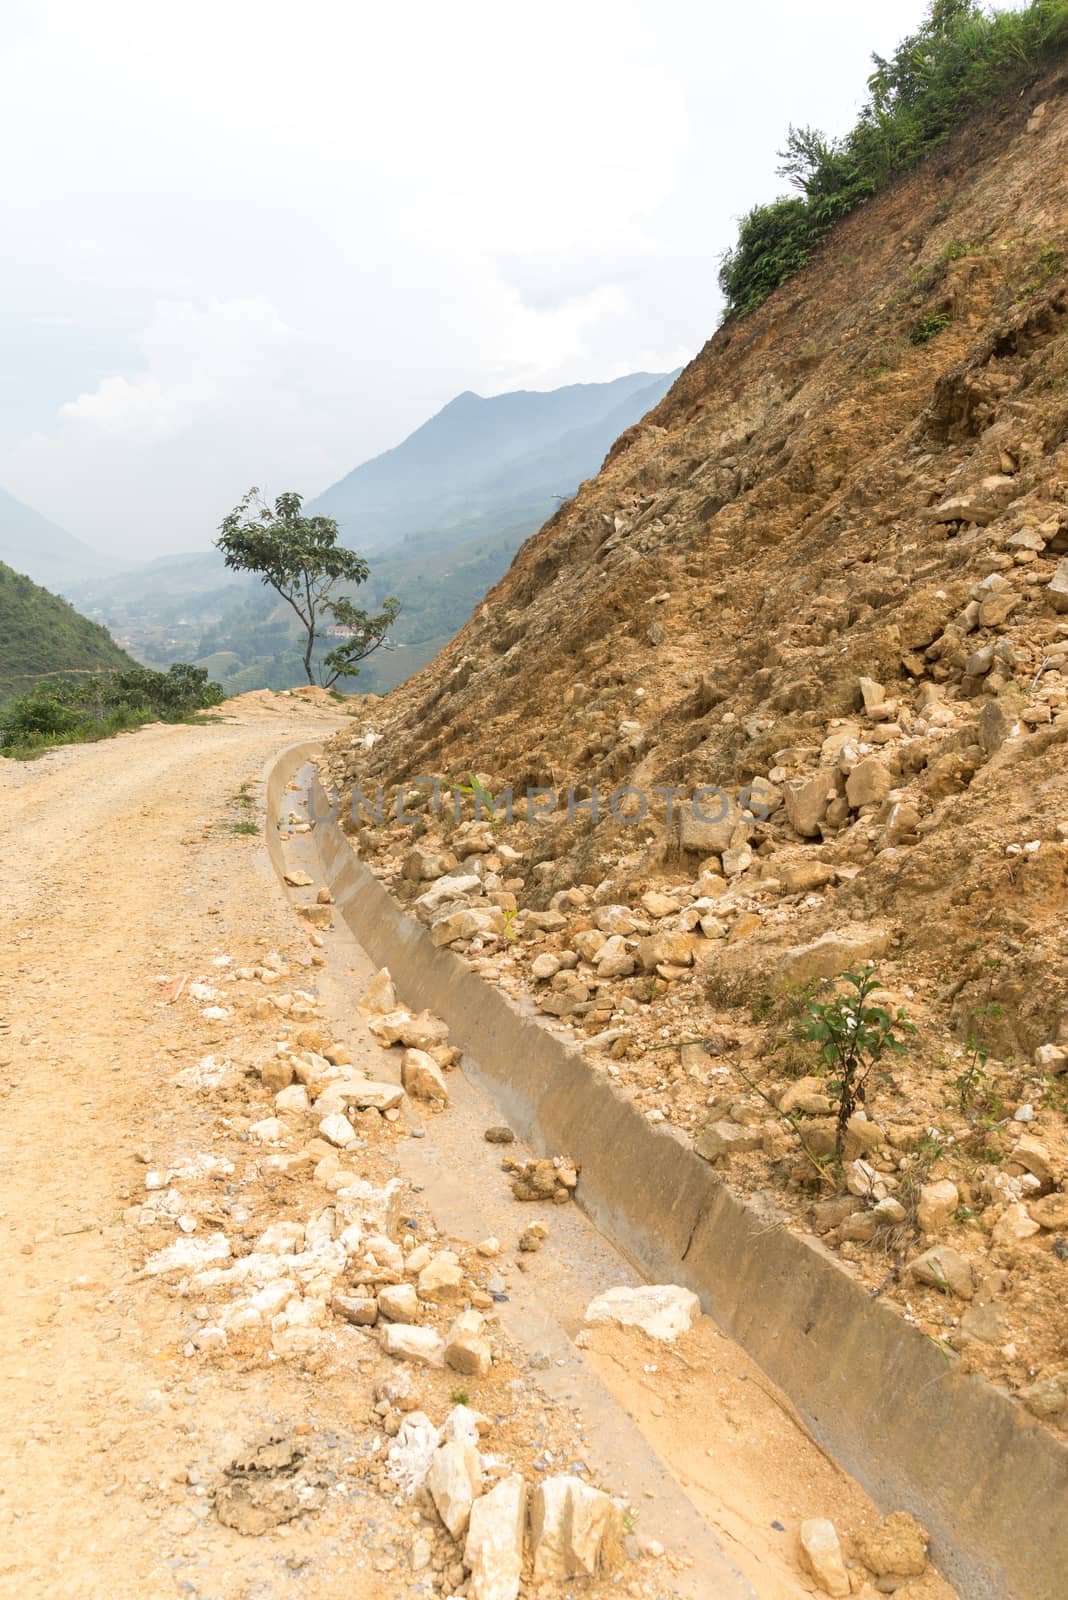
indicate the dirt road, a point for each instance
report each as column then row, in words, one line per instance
column 120, row 863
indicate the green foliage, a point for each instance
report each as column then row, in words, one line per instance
column 300, row 558
column 774, row 242
column 96, row 705
column 929, row 327
column 960, row 58
column 367, row 633
column 40, row 634
column 853, row 1036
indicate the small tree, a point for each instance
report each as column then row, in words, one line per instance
column 853, row 1037
column 300, row 558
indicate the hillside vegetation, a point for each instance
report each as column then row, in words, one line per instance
column 961, row 58
column 40, row 634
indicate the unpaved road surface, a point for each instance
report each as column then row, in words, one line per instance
column 120, row 863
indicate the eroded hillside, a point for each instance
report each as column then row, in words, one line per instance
column 829, row 574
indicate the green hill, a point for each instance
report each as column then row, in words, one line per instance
column 40, row 634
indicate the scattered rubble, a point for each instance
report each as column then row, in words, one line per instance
column 661, row 1310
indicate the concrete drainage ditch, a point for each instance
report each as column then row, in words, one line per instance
column 987, row 1481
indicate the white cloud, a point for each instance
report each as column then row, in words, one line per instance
column 200, row 364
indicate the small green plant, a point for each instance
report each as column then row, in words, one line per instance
column 480, row 796
column 460, row 1397
column 510, row 932
column 955, row 249
column 972, row 1085
column 853, row 1037
column 762, row 1008
column 246, row 825
column 929, row 327
column 930, row 1147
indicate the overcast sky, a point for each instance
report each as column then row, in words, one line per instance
column 249, row 242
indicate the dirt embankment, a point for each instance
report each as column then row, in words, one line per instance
column 829, row 576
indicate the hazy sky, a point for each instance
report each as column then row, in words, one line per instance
column 249, row 242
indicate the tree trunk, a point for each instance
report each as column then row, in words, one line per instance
column 308, row 654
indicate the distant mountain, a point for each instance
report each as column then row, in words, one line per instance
column 40, row 634
column 481, row 464
column 440, row 517
column 45, row 552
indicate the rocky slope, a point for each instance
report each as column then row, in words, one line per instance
column 829, row 575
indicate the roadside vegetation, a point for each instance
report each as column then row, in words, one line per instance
column 961, row 57
column 79, row 710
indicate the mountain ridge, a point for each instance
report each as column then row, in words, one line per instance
column 32, row 544
column 459, row 460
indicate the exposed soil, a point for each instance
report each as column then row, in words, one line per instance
column 829, row 570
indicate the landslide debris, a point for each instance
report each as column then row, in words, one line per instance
column 828, row 577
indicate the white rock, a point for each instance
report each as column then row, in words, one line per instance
column 448, row 889
column 411, row 1343
column 282, row 1239
column 466, row 1425
column 363, row 1093
column 187, row 1255
column 467, row 1349
column 295, row 1098
column 576, row 1530
column 1051, row 1058
column 661, row 1309
column 1014, row 1225
column 398, row 1302
column 822, row 1554
column 422, row 1077
column 376, row 1208
column 454, row 1480
column 337, row 1129
column 380, row 996
column 937, row 1203
column 412, row 1452
column 268, row 1131
column 493, row 1553
column 442, row 1277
